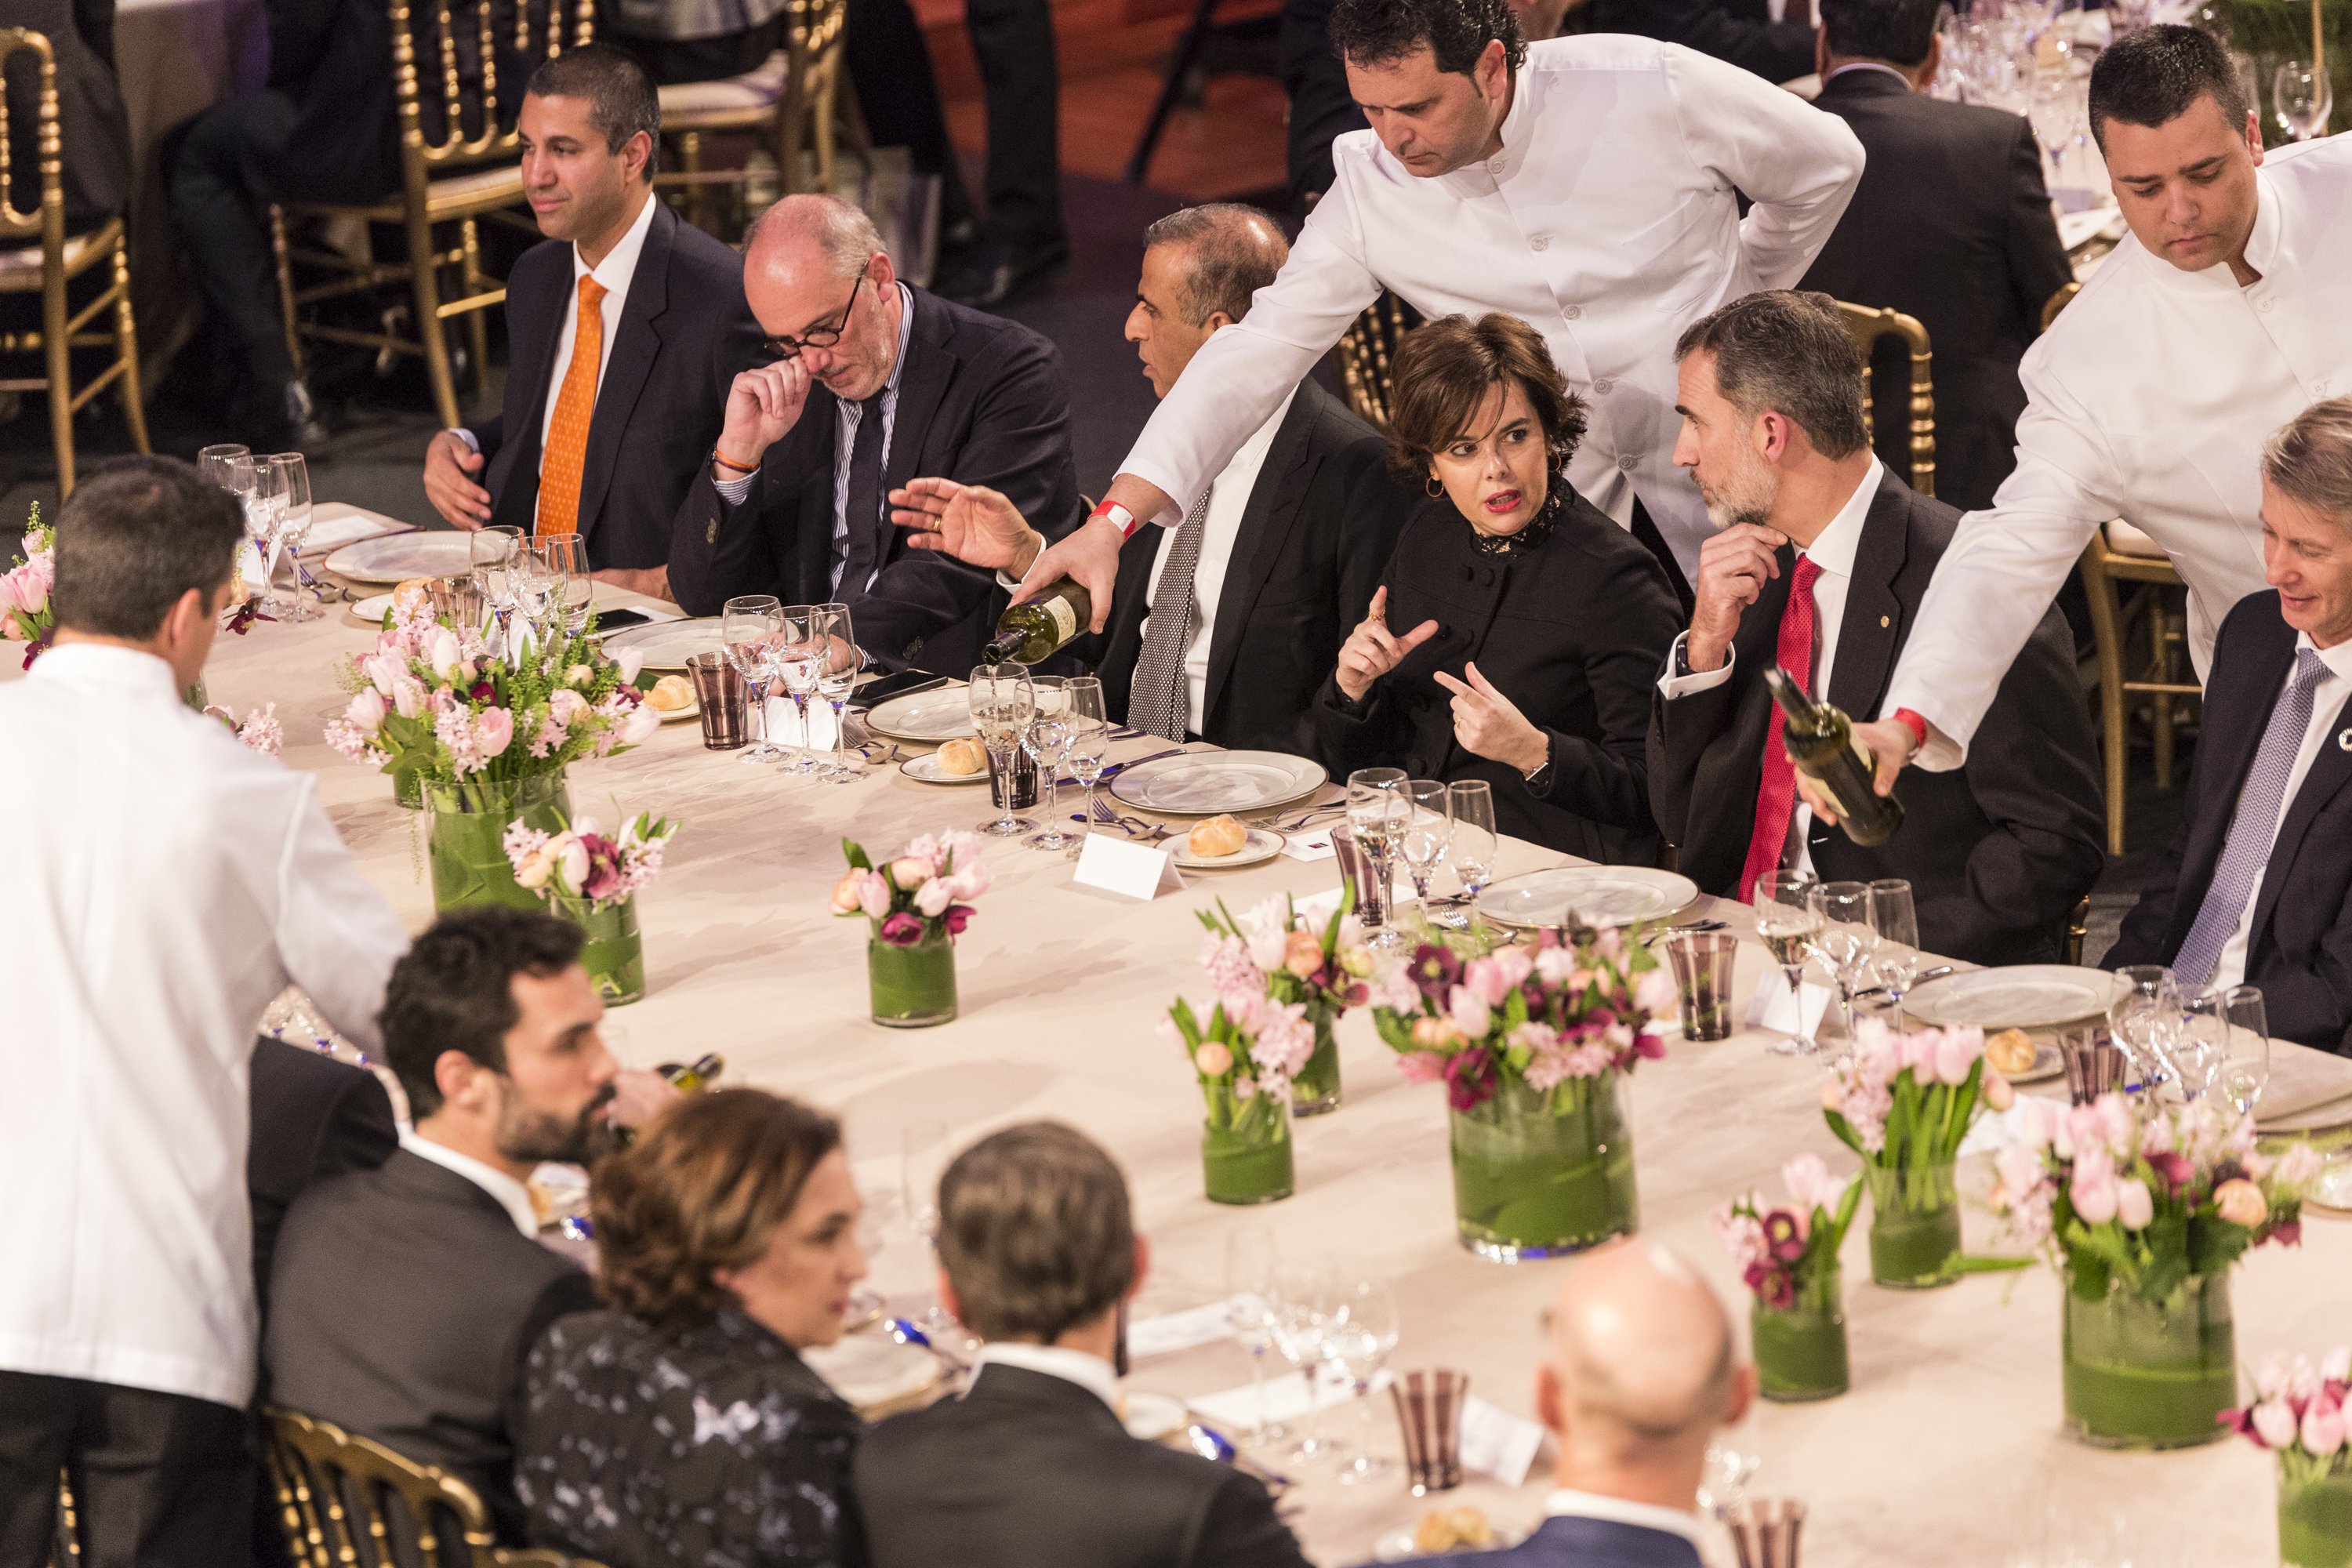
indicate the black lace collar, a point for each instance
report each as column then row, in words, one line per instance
column 1527, row 538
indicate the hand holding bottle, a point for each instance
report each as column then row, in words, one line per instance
column 977, row 526
column 1372, row 651
column 1890, row 744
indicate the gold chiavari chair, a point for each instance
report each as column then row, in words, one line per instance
column 49, row 267
column 1367, row 356
column 342, row 1498
column 791, row 103
column 462, row 166
column 1868, row 325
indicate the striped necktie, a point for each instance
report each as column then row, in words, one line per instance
column 575, row 404
column 1159, row 702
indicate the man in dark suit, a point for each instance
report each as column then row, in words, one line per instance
column 1292, row 537
column 601, row 435
column 876, row 382
column 1822, row 561
column 405, row 1300
column 1744, row 33
column 1950, row 225
column 314, row 1117
column 1643, row 1370
column 1037, row 1254
column 2253, row 888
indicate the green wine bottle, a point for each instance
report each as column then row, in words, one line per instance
column 1821, row 742
column 694, row 1075
column 1027, row 633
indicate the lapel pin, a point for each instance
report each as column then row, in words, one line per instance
column 1884, row 622
column 2343, row 740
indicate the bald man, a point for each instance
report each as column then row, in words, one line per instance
column 1643, row 1370
column 871, row 381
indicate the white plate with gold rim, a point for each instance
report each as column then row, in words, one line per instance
column 925, row 769
column 1258, row 848
column 1206, row 784
column 667, row 645
column 2014, row 996
column 942, row 713
column 397, row 557
column 1595, row 895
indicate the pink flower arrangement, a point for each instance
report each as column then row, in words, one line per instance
column 2146, row 1194
column 1271, row 954
column 258, row 730
column 2299, row 1412
column 579, row 870
column 1555, row 1016
column 25, row 614
column 928, row 890
column 1782, row 1250
column 1907, row 1101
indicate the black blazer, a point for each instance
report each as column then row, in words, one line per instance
column 981, row 400
column 1028, row 1469
column 1997, row 852
column 2300, row 948
column 1581, row 1543
column 1950, row 223
column 685, row 333
column 1740, row 32
column 403, row 1305
column 1574, row 630
column 1314, row 538
column 314, row 1117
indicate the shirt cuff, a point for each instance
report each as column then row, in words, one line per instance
column 467, row 435
column 733, row 491
column 1671, row 686
column 1942, row 754
column 1173, row 514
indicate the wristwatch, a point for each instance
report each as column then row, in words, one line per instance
column 1539, row 780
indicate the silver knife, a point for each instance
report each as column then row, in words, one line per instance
column 1117, row 768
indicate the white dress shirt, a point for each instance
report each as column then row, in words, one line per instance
column 2150, row 398
column 165, row 884
column 1219, row 531
column 1565, row 1502
column 512, row 1195
column 1608, row 222
column 848, row 416
column 2327, row 700
column 1089, row 1371
column 1832, row 550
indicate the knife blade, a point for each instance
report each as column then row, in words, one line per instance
column 1113, row 771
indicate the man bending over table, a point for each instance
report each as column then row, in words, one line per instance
column 875, row 381
column 1819, row 567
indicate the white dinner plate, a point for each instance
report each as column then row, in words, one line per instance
column 2016, row 996
column 667, row 645
column 2049, row 1062
column 873, row 1373
column 1203, row 784
column 1154, row 1418
column 1397, row 1545
column 925, row 769
column 942, row 713
column 373, row 608
column 1261, row 846
column 396, row 557
column 1611, row 895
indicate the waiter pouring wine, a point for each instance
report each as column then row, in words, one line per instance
column 1587, row 185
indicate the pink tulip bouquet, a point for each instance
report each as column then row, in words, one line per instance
column 580, row 871
column 1274, row 960
column 1905, row 1103
column 2299, row 1413
column 25, row 614
column 925, row 893
column 1783, row 1249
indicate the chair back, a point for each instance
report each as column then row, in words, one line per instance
column 345, row 1501
column 1867, row 325
column 46, row 221
column 475, row 55
column 2058, row 301
column 1367, row 356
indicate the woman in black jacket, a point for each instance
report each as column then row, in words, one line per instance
column 1540, row 628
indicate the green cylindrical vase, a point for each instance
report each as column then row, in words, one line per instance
column 2150, row 1374
column 465, row 842
column 1249, row 1161
column 1315, row 1089
column 615, row 954
column 913, row 987
column 1914, row 1226
column 2314, row 1520
column 1801, row 1348
column 1541, row 1172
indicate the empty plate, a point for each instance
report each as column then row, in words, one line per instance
column 1259, row 846
column 874, row 1374
column 1599, row 895
column 667, row 645
column 1203, row 784
column 925, row 769
column 942, row 713
column 2019, row 996
column 397, row 557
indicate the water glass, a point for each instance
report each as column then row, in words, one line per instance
column 489, row 556
column 2231, row 1029
column 837, row 678
column 1844, row 941
column 718, row 690
column 1377, row 812
column 1357, row 1342
column 751, row 625
column 1045, row 740
column 1476, row 844
column 1894, row 915
column 2302, row 99
column 1087, row 746
column 1300, row 1319
column 1003, row 699
column 1252, row 1263
column 1786, row 922
column 562, row 563
column 216, row 463
column 795, row 658
column 1426, row 834
column 1359, row 872
column 288, row 486
column 2146, row 1020
column 1703, row 963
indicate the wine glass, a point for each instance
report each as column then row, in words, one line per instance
column 1426, row 834
column 1895, row 916
column 2055, row 113
column 797, row 657
column 1087, row 745
column 2246, row 1065
column 1048, row 739
column 2302, row 99
column 837, row 678
column 751, row 623
column 2145, row 1019
column 214, row 462
column 1374, row 816
column 1003, row 699
column 1299, row 1318
column 537, row 592
column 289, row 486
column 1847, row 938
column 563, row 563
column 1357, row 1342
column 1476, row 844
column 488, row 553
column 922, row 1160
column 260, row 489
column 1252, row 1263
column 1785, row 923
column 2202, row 1044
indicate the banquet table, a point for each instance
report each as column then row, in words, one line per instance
column 1947, row 1450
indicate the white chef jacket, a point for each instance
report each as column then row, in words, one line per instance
column 2327, row 700
column 165, row 884
column 2150, row 398
column 1608, row 222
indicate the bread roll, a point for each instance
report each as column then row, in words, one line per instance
column 963, row 758
column 2009, row 1052
column 1218, row 837
column 671, row 694
column 412, row 595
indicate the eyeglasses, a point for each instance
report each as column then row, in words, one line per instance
column 817, row 337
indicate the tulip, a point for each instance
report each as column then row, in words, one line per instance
column 570, row 862
column 493, row 729
column 1514, row 964
column 1832, row 1096
column 2134, row 1206
column 873, row 894
column 2242, row 1203
column 27, row 587
column 2274, row 1424
column 639, row 726
column 1485, row 979
column 1303, row 954
column 366, row 712
column 845, row 891
column 1470, row 1011
column 2323, row 1427
column 1213, row 1059
column 446, row 660
column 1957, row 1051
column 911, row 871
column 383, row 670
column 1998, row 1094
column 1808, row 1181
column 1420, row 1067
column 2093, row 1195
column 932, row 897
column 630, row 661
column 968, row 881
column 1437, row 1034
column 2336, row 1366
column 1654, row 993
column 2019, row 1167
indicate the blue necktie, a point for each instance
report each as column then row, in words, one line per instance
column 2251, row 831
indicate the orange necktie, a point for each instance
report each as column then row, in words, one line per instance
column 567, row 433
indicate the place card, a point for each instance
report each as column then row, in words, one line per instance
column 1168, row 1332
column 1776, row 1010
column 1497, row 1442
column 1313, row 845
column 1132, row 870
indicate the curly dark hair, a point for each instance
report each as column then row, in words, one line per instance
column 702, row 1189
column 1382, row 32
column 2152, row 76
column 454, row 991
column 1443, row 370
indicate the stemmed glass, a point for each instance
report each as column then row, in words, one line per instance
column 1376, row 807
column 1300, row 1317
column 1894, row 917
column 1785, row 923
column 1045, row 740
column 1426, row 835
column 2301, row 100
column 287, row 483
column 1003, row 699
column 1845, row 939
column 922, row 1160
column 254, row 485
column 214, row 462
column 560, row 561
column 751, row 625
column 2145, row 1019
column 1476, row 844
column 489, row 554
column 837, row 678
column 1358, row 1341
column 1087, row 745
column 798, row 657
column 1251, row 1271
column 2246, row 1064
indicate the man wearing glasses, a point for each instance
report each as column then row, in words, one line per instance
column 791, row 502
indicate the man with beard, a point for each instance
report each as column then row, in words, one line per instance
column 1819, row 564
column 404, row 1300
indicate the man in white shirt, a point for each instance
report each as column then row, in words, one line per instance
column 1588, row 185
column 2253, row 886
column 601, row 435
column 2226, row 312
column 164, row 886
column 1644, row 1371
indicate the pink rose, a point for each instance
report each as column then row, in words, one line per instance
column 2274, row 1424
column 2323, row 1427
column 2134, row 1206
column 1213, row 1059
column 365, row 714
column 2242, row 1203
column 1470, row 1011
column 873, row 894
column 493, row 728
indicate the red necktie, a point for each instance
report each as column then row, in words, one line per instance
column 1776, row 802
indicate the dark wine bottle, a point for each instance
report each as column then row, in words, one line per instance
column 1025, row 634
column 1821, row 742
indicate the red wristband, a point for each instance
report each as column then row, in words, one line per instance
column 1910, row 719
column 1126, row 521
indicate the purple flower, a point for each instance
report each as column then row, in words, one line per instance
column 2175, row 1169
column 1784, row 1235
column 956, row 919
column 1469, row 1079
column 1435, row 970
column 902, row 930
